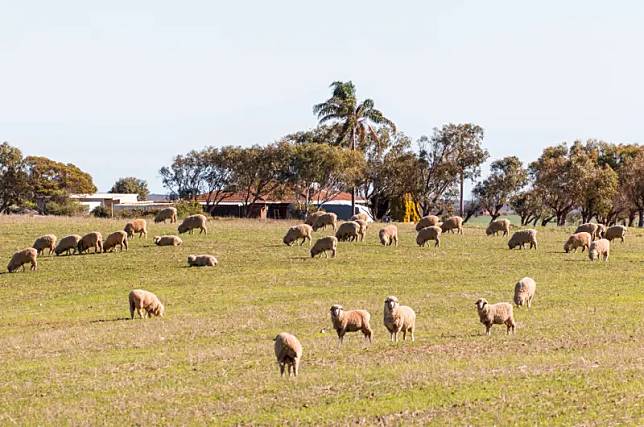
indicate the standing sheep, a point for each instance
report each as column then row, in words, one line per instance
column 360, row 216
column 194, row 221
column 48, row 241
column 429, row 233
column 495, row 314
column 202, row 261
column 312, row 217
column 166, row 213
column 348, row 231
column 324, row 244
column 521, row 237
column 350, row 321
column 578, row 240
column 288, row 352
column 90, row 240
column 324, row 219
column 601, row 231
column 524, row 291
column 297, row 232
column 615, row 232
column 20, row 258
column 427, row 221
column 118, row 238
column 599, row 249
column 453, row 223
column 499, row 225
column 388, row 235
column 589, row 228
column 136, row 226
column 167, row 240
column 399, row 318
column 145, row 303
column 67, row 244
column 363, row 228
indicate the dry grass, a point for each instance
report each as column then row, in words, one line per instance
column 70, row 356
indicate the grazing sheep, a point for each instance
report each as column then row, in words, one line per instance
column 360, row 216
column 427, row 221
column 399, row 318
column 20, row 258
column 615, row 232
column 288, row 352
column 202, row 261
column 145, row 303
column 326, row 218
column 166, row 213
column 194, row 221
column 578, row 240
column 297, row 232
column 348, row 231
column 350, row 321
column 524, row 291
column 324, row 244
column 453, row 223
column 601, row 231
column 167, row 240
column 599, row 249
column 137, row 226
column 429, row 233
column 90, row 240
column 48, row 241
column 67, row 244
column 118, row 238
column 499, row 225
column 589, row 228
column 312, row 217
column 388, row 235
column 364, row 225
column 495, row 314
column 521, row 237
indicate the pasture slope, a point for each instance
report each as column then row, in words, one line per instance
column 70, row 355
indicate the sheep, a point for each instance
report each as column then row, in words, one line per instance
column 20, row 258
column 599, row 249
column 427, row 221
column 577, row 240
column 312, row 217
column 615, row 232
column 348, row 231
column 297, row 232
column 399, row 318
column 90, row 240
column 524, row 291
column 521, row 237
column 194, row 221
column 499, row 225
column 118, row 238
column 67, row 244
column 388, row 235
column 452, row 223
column 350, row 321
column 137, row 226
column 495, row 314
column 288, row 352
column 166, row 213
column 324, row 244
column 48, row 241
column 167, row 240
column 360, row 216
column 145, row 303
column 202, row 261
column 429, row 233
column 326, row 218
column 601, row 231
column 364, row 225
column 589, row 228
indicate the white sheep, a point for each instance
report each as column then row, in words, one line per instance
column 136, row 226
column 497, row 226
column 312, row 217
column 166, row 213
column 324, row 244
column 48, row 241
column 348, row 231
column 589, row 228
column 453, row 223
column 167, row 240
column 615, row 232
column 350, row 321
column 524, row 291
column 324, row 219
column 429, row 233
column 67, row 244
column 202, row 261
column 145, row 303
column 578, row 240
column 601, row 231
column 427, row 221
column 521, row 237
column 388, row 235
column 399, row 318
column 118, row 238
column 90, row 240
column 20, row 258
column 288, row 351
column 301, row 232
column 360, row 216
column 495, row 314
column 599, row 249
column 192, row 222
column 364, row 225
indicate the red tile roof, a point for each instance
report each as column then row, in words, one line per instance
column 239, row 198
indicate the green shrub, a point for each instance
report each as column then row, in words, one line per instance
column 65, row 207
column 186, row 208
column 101, row 211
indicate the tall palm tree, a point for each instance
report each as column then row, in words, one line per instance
column 355, row 121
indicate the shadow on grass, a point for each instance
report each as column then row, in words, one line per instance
column 300, row 257
column 118, row 319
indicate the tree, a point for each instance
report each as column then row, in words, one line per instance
column 506, row 178
column 131, row 185
column 13, row 177
column 528, row 205
column 218, row 172
column 184, row 177
column 633, row 184
column 353, row 121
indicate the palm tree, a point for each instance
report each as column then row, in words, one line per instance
column 354, row 121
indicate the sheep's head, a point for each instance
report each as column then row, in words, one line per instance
column 593, row 254
column 191, row 259
column 567, row 246
column 511, row 244
column 156, row 239
column 480, row 304
column 159, row 310
column 11, row 266
column 391, row 302
column 182, row 228
column 336, row 310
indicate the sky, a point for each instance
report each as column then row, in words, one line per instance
column 119, row 88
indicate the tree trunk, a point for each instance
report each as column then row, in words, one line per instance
column 462, row 204
column 353, row 188
column 640, row 223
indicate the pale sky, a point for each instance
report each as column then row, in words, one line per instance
column 120, row 87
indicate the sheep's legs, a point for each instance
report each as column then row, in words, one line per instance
column 487, row 329
column 281, row 369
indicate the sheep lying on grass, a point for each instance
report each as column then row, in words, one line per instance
column 453, row 223
column 348, row 231
column 495, row 314
column 167, row 240
column 429, row 233
column 90, row 240
column 521, row 237
column 599, row 249
column 324, row 219
column 145, row 303
column 350, row 321
column 500, row 225
column 427, row 221
column 136, row 226
column 324, row 244
column 578, row 240
column 67, row 244
column 388, row 235
column 301, row 232
column 288, row 352
column 48, row 241
column 118, row 238
column 192, row 222
column 202, row 261
column 524, row 291
column 20, row 258
column 165, row 214
column 615, row 232
column 399, row 318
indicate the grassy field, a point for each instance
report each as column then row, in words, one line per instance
column 70, row 355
